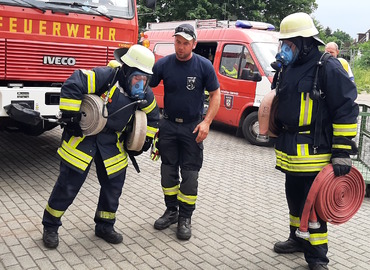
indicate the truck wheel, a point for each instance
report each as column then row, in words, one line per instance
column 250, row 130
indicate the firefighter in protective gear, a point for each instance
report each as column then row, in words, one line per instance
column 125, row 87
column 316, row 126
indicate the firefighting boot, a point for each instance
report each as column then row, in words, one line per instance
column 288, row 246
column 108, row 234
column 169, row 217
column 50, row 238
column 184, row 228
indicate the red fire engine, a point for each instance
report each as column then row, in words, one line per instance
column 42, row 42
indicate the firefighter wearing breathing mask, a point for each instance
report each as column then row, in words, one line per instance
column 316, row 127
column 121, row 86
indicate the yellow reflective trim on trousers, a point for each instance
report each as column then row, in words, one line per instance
column 69, row 104
column 305, row 115
column 318, row 238
column 77, row 153
column 341, row 146
column 171, row 190
column 151, row 131
column 53, row 212
column 345, row 129
column 150, row 107
column 90, row 80
column 294, row 221
column 106, row 215
column 188, row 199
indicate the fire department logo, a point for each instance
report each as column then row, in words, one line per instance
column 190, row 85
column 228, row 102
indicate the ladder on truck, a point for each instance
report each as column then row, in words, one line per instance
column 211, row 23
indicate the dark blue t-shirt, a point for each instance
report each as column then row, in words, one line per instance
column 184, row 84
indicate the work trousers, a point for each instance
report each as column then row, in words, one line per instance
column 180, row 151
column 296, row 190
column 67, row 187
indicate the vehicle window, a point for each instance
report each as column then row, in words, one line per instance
column 112, row 8
column 230, row 60
column 162, row 49
column 265, row 53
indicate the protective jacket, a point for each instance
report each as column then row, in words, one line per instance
column 300, row 111
column 78, row 152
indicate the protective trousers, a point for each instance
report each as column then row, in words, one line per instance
column 315, row 247
column 67, row 187
column 179, row 150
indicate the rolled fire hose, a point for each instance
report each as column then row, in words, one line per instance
column 92, row 121
column 335, row 199
column 136, row 138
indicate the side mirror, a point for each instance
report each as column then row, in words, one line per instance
column 150, row 3
column 250, row 75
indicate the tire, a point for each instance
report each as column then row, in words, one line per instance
column 250, row 130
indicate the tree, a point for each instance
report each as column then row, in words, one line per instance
column 272, row 11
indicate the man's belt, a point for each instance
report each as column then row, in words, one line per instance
column 295, row 129
column 181, row 120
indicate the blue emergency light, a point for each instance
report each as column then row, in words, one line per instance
column 254, row 25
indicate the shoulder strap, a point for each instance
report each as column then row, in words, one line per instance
column 320, row 71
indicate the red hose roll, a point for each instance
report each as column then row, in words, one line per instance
column 335, row 199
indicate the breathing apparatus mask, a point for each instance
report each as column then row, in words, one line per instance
column 137, row 85
column 287, row 54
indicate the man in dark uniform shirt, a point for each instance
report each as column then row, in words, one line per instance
column 185, row 76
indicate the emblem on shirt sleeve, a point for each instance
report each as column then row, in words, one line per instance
column 228, row 102
column 190, row 85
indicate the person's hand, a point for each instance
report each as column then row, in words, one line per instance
column 342, row 163
column 147, row 144
column 71, row 122
column 202, row 128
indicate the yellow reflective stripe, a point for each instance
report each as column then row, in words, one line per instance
column 151, row 131
column 171, row 190
column 294, row 221
column 308, row 163
column 341, row 146
column 302, row 159
column 345, row 129
column 90, row 80
column 188, row 199
column 318, row 238
column 305, row 116
column 53, row 212
column 116, row 163
column 73, row 156
column 150, row 107
column 302, row 150
column 106, row 215
column 70, row 104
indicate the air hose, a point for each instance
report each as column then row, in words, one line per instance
column 335, row 199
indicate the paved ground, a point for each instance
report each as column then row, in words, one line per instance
column 241, row 212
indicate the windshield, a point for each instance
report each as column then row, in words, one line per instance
column 266, row 53
column 107, row 8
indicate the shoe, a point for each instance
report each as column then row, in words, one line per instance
column 288, row 246
column 109, row 235
column 184, row 228
column 318, row 267
column 169, row 217
column 50, row 239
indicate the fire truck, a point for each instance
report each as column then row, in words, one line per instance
column 43, row 41
column 245, row 48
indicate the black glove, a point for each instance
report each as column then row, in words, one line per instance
column 71, row 120
column 147, row 144
column 342, row 163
